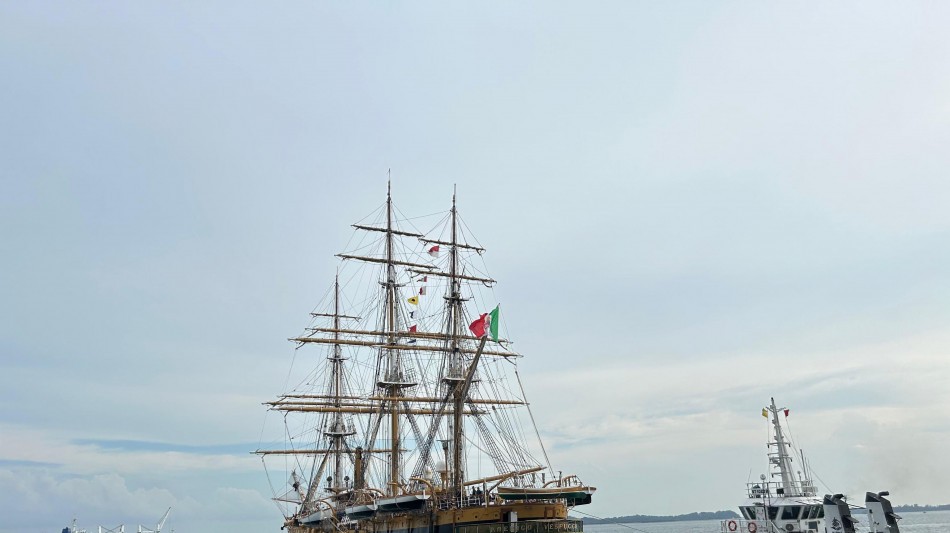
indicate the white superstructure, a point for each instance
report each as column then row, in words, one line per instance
column 786, row 501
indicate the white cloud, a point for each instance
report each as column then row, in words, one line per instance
column 39, row 445
column 868, row 418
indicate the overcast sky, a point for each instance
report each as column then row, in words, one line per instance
column 690, row 207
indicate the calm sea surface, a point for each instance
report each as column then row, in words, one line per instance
column 932, row 522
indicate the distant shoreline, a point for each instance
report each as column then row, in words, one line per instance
column 914, row 508
column 642, row 518
column 725, row 515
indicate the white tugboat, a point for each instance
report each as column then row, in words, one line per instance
column 789, row 503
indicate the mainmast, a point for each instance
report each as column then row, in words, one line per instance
column 781, row 457
column 391, row 385
column 393, row 379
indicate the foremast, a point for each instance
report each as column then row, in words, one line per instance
column 458, row 371
column 454, row 319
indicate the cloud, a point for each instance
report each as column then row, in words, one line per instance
column 86, row 456
column 107, row 499
column 861, row 428
column 145, row 446
column 29, row 494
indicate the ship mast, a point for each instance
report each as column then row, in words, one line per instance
column 393, row 379
column 454, row 316
column 391, row 385
column 781, row 457
column 337, row 429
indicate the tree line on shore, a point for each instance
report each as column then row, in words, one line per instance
column 642, row 518
column 725, row 515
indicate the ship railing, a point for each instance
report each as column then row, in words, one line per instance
column 741, row 525
column 567, row 525
column 774, row 489
column 465, row 501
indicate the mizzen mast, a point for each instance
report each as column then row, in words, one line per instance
column 337, row 430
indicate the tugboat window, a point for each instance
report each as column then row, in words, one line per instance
column 773, row 512
column 791, row 512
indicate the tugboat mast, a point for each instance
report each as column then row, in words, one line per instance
column 781, row 456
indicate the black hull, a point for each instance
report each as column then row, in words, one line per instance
column 525, row 526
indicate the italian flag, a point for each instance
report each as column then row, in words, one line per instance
column 486, row 323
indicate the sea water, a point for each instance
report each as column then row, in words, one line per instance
column 929, row 522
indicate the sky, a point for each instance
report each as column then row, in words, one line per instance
column 690, row 207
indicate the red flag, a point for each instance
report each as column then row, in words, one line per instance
column 786, row 413
column 434, row 251
column 478, row 327
column 424, row 279
column 422, row 290
column 412, row 329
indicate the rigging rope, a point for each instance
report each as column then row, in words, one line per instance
column 533, row 423
column 273, row 491
column 614, row 523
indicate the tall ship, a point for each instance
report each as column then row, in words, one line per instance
column 410, row 415
column 787, row 501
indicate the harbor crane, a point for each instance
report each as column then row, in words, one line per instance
column 158, row 528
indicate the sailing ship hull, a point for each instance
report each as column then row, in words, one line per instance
column 521, row 517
